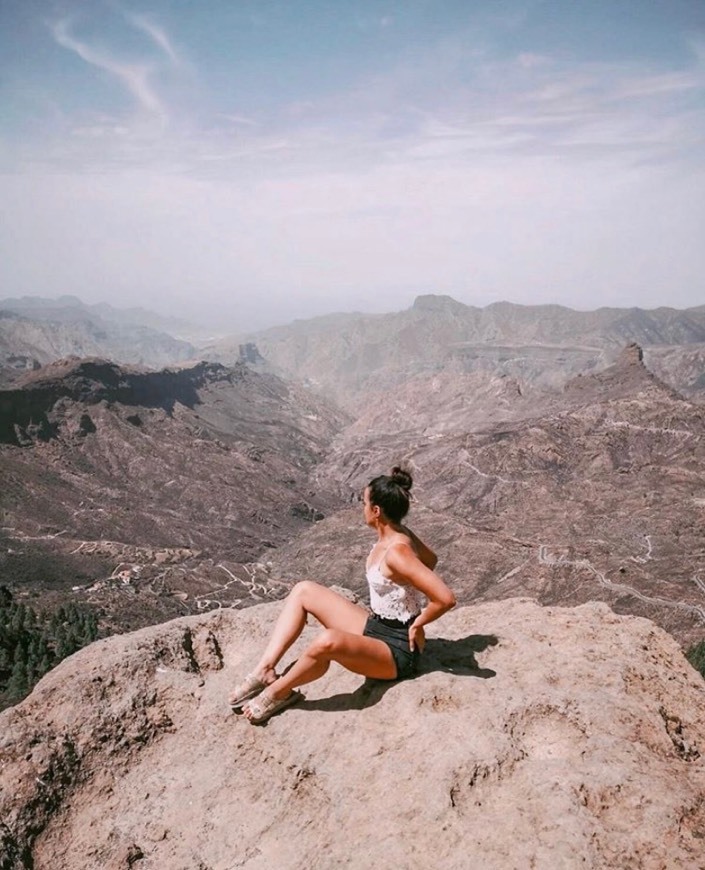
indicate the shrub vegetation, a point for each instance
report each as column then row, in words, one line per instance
column 33, row 643
column 696, row 656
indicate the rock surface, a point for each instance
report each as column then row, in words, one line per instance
column 534, row 737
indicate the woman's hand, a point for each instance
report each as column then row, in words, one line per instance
column 417, row 638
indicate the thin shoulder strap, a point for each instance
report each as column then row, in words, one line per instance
column 386, row 550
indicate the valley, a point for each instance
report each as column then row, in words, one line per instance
column 567, row 475
column 151, row 495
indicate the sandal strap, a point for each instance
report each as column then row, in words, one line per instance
column 249, row 682
column 263, row 706
column 263, row 703
column 246, row 688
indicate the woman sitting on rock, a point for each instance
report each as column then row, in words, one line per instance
column 384, row 645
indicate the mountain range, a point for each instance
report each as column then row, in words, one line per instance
column 36, row 331
column 151, row 491
column 559, row 472
column 351, row 355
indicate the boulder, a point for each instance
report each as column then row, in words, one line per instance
column 533, row 737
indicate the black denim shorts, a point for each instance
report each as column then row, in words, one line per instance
column 396, row 635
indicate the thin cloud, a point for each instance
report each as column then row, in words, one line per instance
column 135, row 77
column 156, row 34
column 238, row 119
column 658, row 85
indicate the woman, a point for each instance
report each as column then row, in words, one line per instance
column 384, row 645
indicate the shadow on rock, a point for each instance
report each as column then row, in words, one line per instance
column 457, row 656
column 452, row 656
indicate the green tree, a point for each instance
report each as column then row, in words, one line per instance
column 696, row 656
column 31, row 643
column 18, row 685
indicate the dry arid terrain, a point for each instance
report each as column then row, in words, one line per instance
column 563, row 487
column 152, row 494
column 352, row 355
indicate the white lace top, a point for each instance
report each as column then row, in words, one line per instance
column 392, row 600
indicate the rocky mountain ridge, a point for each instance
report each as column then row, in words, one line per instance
column 533, row 737
column 349, row 355
column 35, row 332
column 24, row 408
column 597, row 497
column 149, row 494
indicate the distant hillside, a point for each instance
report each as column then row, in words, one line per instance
column 153, row 494
column 36, row 331
column 349, row 355
column 599, row 495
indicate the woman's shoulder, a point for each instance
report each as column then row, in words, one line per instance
column 400, row 541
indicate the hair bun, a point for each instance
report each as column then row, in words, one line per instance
column 401, row 477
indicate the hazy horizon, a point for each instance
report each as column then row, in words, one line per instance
column 270, row 161
column 221, row 329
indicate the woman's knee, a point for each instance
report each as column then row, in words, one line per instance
column 304, row 590
column 326, row 644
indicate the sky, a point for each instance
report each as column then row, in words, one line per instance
column 247, row 162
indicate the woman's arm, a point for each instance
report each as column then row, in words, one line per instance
column 407, row 567
column 425, row 553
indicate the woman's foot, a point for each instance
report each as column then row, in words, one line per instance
column 252, row 685
column 259, row 709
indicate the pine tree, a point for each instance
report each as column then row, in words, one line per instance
column 18, row 685
column 696, row 656
column 31, row 643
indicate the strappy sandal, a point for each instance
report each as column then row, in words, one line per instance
column 262, row 707
column 250, row 687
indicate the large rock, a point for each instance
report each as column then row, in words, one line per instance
column 542, row 738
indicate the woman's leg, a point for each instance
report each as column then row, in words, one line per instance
column 362, row 655
column 330, row 609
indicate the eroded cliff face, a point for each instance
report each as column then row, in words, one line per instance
column 534, row 737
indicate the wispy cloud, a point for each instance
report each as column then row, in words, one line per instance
column 157, row 35
column 477, row 160
column 537, row 102
column 238, row 119
column 664, row 84
column 135, row 77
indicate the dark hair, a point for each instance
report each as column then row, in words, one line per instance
column 390, row 492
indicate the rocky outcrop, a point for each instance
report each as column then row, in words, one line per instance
column 626, row 377
column 532, row 738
